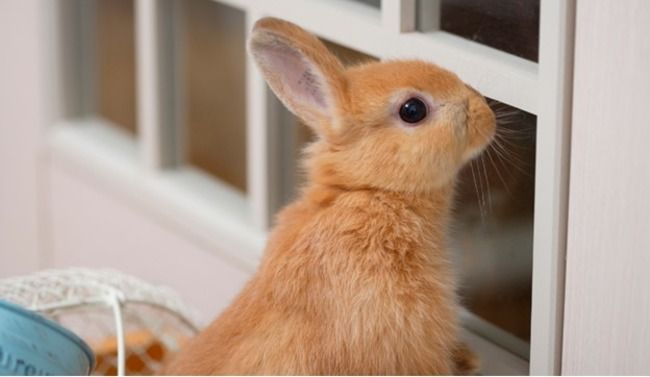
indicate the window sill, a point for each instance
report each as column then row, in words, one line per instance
column 188, row 200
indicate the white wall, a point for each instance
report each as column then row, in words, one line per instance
column 607, row 310
column 21, row 118
column 92, row 227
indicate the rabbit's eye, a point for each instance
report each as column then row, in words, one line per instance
column 413, row 110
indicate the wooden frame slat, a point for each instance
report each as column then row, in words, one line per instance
column 398, row 16
column 157, row 131
column 428, row 15
column 261, row 133
column 87, row 56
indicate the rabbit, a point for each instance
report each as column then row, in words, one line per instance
column 355, row 278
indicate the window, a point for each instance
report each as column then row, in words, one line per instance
column 105, row 38
column 508, row 25
column 211, row 55
column 166, row 107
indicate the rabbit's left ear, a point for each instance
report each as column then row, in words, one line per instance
column 300, row 70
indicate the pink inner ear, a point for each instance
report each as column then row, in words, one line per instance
column 302, row 83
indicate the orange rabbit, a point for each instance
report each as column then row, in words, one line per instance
column 355, row 278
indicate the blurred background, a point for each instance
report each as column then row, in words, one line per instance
column 156, row 149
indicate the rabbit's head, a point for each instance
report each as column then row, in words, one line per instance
column 404, row 126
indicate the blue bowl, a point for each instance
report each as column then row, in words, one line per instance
column 31, row 344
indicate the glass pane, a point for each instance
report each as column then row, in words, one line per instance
column 493, row 233
column 295, row 136
column 508, row 25
column 114, row 57
column 212, row 60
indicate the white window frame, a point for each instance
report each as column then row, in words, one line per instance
column 147, row 170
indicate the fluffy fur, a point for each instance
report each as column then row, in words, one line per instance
column 355, row 278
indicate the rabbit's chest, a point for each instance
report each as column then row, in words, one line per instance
column 390, row 271
column 379, row 260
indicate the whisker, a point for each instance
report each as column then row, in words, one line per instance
column 511, row 157
column 507, row 141
column 496, row 169
column 478, row 197
column 511, row 133
column 508, row 114
column 509, row 148
column 512, row 130
column 501, row 158
column 483, row 191
column 487, row 185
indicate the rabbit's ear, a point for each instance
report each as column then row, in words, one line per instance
column 306, row 77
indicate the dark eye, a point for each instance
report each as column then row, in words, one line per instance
column 413, row 110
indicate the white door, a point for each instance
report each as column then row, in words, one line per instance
column 165, row 155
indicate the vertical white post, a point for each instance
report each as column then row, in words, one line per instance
column 156, row 126
column 428, row 15
column 557, row 20
column 65, row 56
column 87, row 55
column 398, row 16
column 261, row 136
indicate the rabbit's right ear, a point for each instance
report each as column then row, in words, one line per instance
column 306, row 77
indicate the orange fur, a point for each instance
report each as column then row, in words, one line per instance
column 355, row 278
